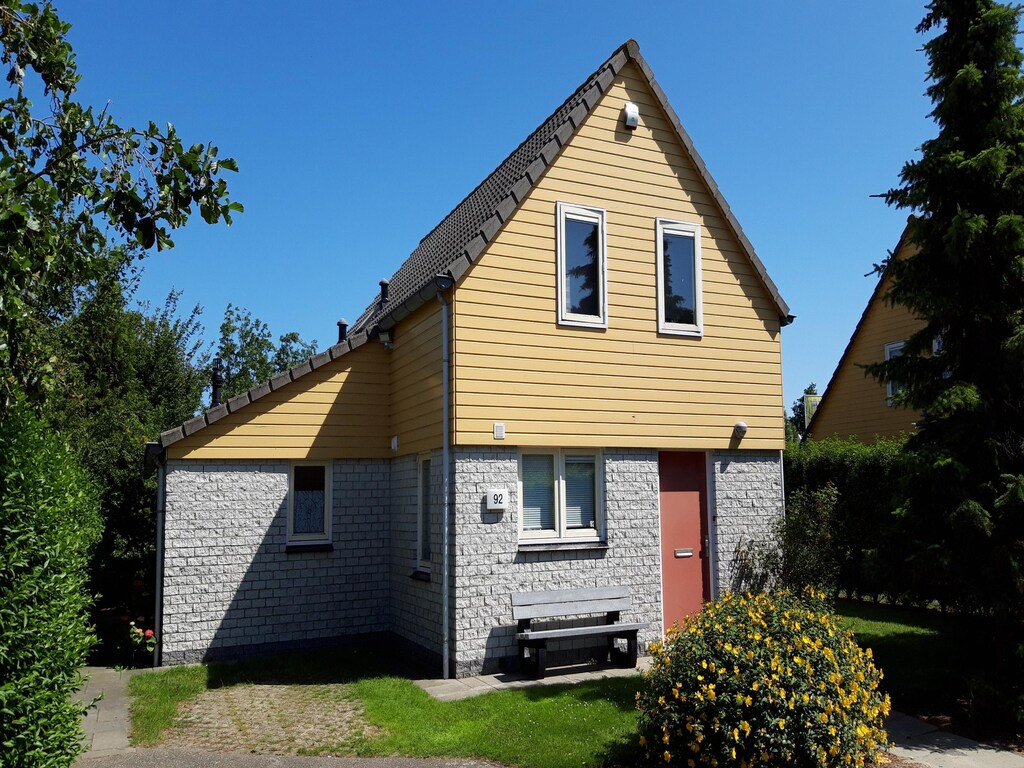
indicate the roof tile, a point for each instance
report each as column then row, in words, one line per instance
column 192, row 426
column 216, row 413
column 238, row 401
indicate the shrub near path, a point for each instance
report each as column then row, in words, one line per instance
column 762, row 680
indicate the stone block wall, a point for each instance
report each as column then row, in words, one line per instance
column 415, row 593
column 490, row 566
column 747, row 497
column 231, row 589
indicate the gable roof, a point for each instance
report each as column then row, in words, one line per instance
column 459, row 239
column 876, row 295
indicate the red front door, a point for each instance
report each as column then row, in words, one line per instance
column 684, row 533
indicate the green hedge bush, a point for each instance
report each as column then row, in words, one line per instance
column 762, row 680
column 49, row 521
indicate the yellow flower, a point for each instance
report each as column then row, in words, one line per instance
column 643, row 741
column 667, row 756
column 782, row 725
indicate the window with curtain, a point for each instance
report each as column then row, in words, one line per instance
column 309, row 503
column 560, row 495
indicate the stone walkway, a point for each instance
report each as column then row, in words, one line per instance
column 107, row 727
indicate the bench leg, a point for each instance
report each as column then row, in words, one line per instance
column 541, row 655
column 611, row 654
column 631, row 651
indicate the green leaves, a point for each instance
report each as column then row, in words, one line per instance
column 75, row 186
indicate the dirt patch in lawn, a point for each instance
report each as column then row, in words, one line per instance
column 271, row 720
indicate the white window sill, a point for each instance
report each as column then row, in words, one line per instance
column 560, row 545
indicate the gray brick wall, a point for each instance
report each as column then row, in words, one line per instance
column 415, row 602
column 748, row 498
column 489, row 566
column 230, row 588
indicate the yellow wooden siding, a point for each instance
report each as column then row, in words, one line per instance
column 626, row 385
column 341, row 410
column 856, row 404
column 416, row 380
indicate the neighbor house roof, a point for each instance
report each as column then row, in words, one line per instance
column 455, row 243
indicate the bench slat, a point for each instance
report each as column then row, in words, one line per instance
column 567, row 595
column 573, row 608
column 601, row 629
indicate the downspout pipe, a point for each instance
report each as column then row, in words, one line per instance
column 156, row 454
column 444, row 283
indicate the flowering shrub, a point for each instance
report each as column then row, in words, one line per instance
column 762, row 680
column 141, row 638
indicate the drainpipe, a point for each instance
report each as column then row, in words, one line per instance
column 157, row 454
column 444, row 283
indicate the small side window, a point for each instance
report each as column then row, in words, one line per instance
column 680, row 308
column 424, row 516
column 892, row 349
column 309, row 504
column 582, row 269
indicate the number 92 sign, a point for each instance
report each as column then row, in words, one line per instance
column 497, row 499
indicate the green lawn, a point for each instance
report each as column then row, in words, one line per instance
column 587, row 724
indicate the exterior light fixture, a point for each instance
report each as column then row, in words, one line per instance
column 631, row 115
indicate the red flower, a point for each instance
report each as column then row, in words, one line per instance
column 149, row 633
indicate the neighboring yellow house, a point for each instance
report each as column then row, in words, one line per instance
column 855, row 404
column 609, row 344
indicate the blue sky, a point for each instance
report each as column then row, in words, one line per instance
column 358, row 126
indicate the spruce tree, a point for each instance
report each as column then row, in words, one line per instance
column 964, row 370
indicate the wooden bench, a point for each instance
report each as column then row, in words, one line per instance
column 565, row 603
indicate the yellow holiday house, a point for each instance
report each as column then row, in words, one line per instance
column 572, row 385
column 855, row 404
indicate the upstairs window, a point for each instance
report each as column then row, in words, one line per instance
column 893, row 349
column 561, row 495
column 679, row 289
column 309, row 504
column 582, row 289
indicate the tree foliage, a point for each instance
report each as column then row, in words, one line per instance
column 80, row 195
column 125, row 375
column 249, row 354
column 966, row 281
column 796, row 429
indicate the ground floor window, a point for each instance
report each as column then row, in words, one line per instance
column 309, row 503
column 561, row 494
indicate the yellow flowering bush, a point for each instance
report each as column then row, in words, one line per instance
column 762, row 680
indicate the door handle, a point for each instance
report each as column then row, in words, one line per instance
column 684, row 553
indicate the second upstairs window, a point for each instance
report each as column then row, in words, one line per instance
column 679, row 299
column 582, row 268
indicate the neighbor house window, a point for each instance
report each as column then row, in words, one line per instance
column 424, row 516
column 582, row 290
column 893, row 349
column 560, row 494
column 309, row 504
column 679, row 299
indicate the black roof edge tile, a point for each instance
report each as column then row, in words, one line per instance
column 550, row 151
column 605, row 79
column 521, row 189
column 506, row 208
column 564, row 133
column 491, row 227
column 475, row 247
column 578, row 115
column 357, row 340
column 618, row 61
column 259, row 391
column 216, row 413
column 171, row 436
column 319, row 360
column 459, row 268
column 339, row 349
column 276, row 382
column 591, row 97
column 238, row 401
column 300, row 370
column 192, row 426
column 536, row 169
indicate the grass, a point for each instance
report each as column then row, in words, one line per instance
column 590, row 723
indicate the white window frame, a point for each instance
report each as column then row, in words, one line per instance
column 892, row 349
column 310, row 538
column 561, row 531
column 594, row 216
column 424, row 466
column 683, row 229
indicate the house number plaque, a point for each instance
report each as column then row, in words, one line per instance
column 497, row 499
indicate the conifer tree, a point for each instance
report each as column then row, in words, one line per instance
column 964, row 370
